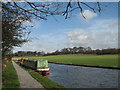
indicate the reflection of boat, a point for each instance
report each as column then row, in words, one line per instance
column 41, row 66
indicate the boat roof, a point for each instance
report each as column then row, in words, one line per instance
column 35, row 59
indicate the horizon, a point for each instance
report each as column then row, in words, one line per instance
column 63, row 48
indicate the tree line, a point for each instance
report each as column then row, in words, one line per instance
column 85, row 50
column 74, row 50
column 29, row 53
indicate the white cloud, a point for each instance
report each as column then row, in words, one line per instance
column 76, row 35
column 99, row 34
column 46, row 43
column 33, row 46
column 89, row 14
column 104, row 34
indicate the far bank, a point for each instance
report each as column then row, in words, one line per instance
column 104, row 61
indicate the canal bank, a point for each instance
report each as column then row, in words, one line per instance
column 84, row 77
column 87, row 65
column 45, row 81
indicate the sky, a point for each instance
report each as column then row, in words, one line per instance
column 98, row 30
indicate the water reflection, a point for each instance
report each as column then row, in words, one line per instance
column 83, row 77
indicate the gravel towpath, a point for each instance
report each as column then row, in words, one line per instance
column 25, row 79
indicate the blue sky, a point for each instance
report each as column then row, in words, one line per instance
column 98, row 30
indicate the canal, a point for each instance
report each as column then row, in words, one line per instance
column 83, row 77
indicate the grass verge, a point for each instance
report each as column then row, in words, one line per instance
column 9, row 77
column 45, row 81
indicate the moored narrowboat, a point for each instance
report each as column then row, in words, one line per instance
column 41, row 66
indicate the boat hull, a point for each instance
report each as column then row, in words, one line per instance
column 44, row 73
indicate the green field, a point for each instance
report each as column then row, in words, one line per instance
column 78, row 59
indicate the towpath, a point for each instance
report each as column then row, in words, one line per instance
column 25, row 79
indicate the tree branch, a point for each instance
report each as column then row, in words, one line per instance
column 66, row 12
column 88, row 6
column 30, row 12
column 81, row 10
column 99, row 8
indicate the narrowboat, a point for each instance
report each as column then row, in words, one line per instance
column 41, row 66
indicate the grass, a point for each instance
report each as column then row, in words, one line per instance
column 9, row 77
column 45, row 81
column 79, row 59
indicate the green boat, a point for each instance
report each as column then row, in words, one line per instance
column 41, row 66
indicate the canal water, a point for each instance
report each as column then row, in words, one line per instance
column 83, row 77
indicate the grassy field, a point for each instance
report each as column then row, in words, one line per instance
column 78, row 59
column 9, row 77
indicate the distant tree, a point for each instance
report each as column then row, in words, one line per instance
column 74, row 50
column 65, row 51
column 39, row 53
column 57, row 52
column 81, row 49
column 42, row 53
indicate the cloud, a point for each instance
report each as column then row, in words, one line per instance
column 100, row 35
column 89, row 14
column 34, row 46
column 76, row 36
column 45, row 42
